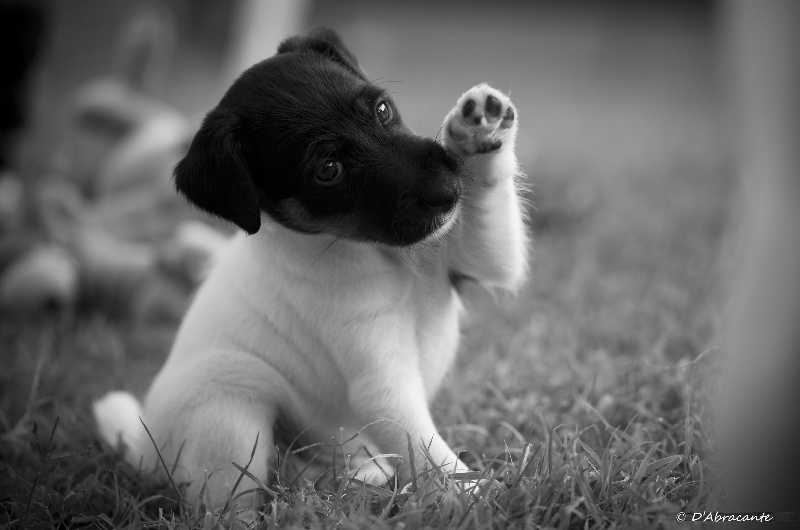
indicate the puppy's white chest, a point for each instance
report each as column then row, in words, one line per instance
column 355, row 310
column 402, row 317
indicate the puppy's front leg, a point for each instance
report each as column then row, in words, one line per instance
column 489, row 243
column 403, row 409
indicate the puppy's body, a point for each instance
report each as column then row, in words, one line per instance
column 313, row 336
column 325, row 335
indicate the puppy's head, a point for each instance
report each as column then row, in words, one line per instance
column 304, row 137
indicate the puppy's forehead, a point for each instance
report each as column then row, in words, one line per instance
column 303, row 81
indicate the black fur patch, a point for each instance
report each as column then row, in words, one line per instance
column 287, row 117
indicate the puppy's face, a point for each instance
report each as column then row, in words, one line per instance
column 304, row 137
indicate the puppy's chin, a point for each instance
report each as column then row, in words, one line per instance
column 417, row 229
column 446, row 222
column 423, row 230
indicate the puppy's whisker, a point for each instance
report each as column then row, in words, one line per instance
column 412, row 252
column 438, row 132
column 423, row 252
column 417, row 253
column 323, row 251
column 381, row 81
column 408, row 261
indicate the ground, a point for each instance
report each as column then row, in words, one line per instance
column 586, row 394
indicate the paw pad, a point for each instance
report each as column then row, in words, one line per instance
column 481, row 120
column 493, row 106
column 469, row 108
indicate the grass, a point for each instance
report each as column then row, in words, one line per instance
column 584, row 398
column 615, row 464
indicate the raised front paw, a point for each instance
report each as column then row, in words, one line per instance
column 481, row 121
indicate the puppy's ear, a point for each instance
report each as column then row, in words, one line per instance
column 214, row 175
column 326, row 42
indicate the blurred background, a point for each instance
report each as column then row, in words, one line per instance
column 626, row 136
column 587, row 77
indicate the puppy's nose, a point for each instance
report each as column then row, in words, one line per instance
column 442, row 201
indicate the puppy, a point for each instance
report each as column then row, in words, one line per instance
column 339, row 312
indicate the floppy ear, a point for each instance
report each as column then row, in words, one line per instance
column 214, row 175
column 326, row 42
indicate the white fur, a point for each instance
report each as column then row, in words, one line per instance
column 117, row 415
column 333, row 336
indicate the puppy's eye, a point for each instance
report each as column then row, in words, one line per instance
column 384, row 112
column 330, row 170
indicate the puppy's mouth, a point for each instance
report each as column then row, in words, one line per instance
column 443, row 224
column 424, row 219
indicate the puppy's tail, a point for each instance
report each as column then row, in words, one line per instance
column 118, row 419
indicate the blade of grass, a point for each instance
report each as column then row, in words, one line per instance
column 643, row 465
column 255, row 479
column 178, row 457
column 412, row 464
column 166, row 470
column 385, row 512
column 239, row 479
column 524, row 462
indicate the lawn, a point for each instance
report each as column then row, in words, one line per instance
column 585, row 396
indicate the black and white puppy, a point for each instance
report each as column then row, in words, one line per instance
column 339, row 309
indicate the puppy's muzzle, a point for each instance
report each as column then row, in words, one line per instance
column 440, row 199
column 441, row 189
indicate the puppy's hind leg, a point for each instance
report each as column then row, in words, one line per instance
column 210, row 414
column 214, row 437
column 194, row 445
